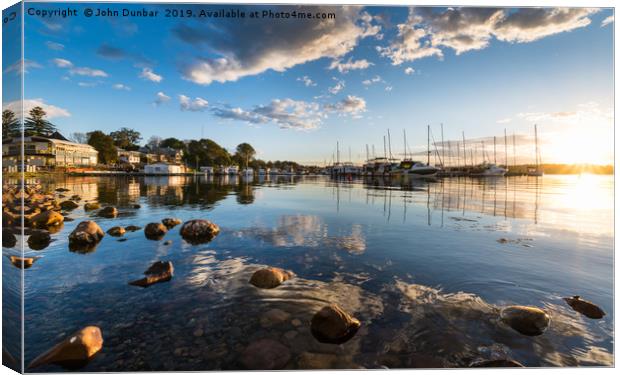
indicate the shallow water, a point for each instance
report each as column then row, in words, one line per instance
column 425, row 265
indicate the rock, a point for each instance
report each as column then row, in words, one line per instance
column 158, row 272
column 155, row 231
column 91, row 206
column 584, row 307
column 274, row 316
column 333, row 325
column 265, row 354
column 199, row 231
column 47, row 219
column 199, row 332
column 76, row 197
column 507, row 362
column 69, row 219
column 503, row 240
column 60, row 190
column 73, row 352
column 108, row 212
column 68, row 205
column 171, row 222
column 136, row 206
column 296, row 322
column 530, row 321
column 25, row 262
column 132, row 228
column 268, row 278
column 85, row 236
column 116, row 231
column 289, row 335
column 167, row 243
column 39, row 240
column 122, row 239
column 8, row 238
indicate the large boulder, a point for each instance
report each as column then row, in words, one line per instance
column 86, row 236
column 108, row 212
column 155, row 231
column 584, row 307
column 116, row 231
column 68, row 205
column 158, row 272
column 268, row 278
column 333, row 325
column 527, row 320
column 171, row 222
column 73, row 352
column 265, row 354
column 91, row 206
column 47, row 219
column 8, row 238
column 199, row 231
column 39, row 239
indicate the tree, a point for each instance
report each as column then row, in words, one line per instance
column 153, row 142
column 126, row 138
column 245, row 153
column 104, row 144
column 36, row 124
column 174, row 143
column 10, row 124
column 78, row 137
column 206, row 152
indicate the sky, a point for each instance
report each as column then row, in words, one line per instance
column 293, row 88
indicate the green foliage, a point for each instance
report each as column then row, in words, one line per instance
column 245, row 153
column 174, row 143
column 10, row 124
column 126, row 138
column 36, row 124
column 105, row 145
column 206, row 152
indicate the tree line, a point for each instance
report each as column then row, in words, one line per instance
column 196, row 153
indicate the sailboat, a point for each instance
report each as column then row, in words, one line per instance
column 414, row 168
column 537, row 171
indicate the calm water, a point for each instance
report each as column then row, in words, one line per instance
column 419, row 263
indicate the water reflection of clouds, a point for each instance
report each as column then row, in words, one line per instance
column 307, row 231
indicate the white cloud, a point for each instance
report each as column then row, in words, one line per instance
column 161, row 98
column 307, row 81
column 349, row 65
column 427, row 31
column 286, row 113
column 409, row 71
column 81, row 71
column 504, row 120
column 120, row 86
column 17, row 66
column 607, row 21
column 51, row 110
column 148, row 74
column 88, row 84
column 248, row 47
column 54, row 46
column 195, row 105
column 351, row 105
column 375, row 79
column 388, row 88
column 337, row 87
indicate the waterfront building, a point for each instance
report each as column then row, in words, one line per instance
column 47, row 152
column 164, row 168
column 129, row 157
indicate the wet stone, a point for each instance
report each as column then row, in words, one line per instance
column 333, row 325
column 527, row 320
column 584, row 307
column 39, row 239
column 199, row 231
column 108, row 212
column 85, row 237
column 155, row 231
column 116, row 231
column 75, row 351
column 90, row 206
column 171, row 222
column 268, row 278
column 273, row 317
column 8, row 238
column 68, row 205
column 132, row 228
column 265, row 354
column 159, row 271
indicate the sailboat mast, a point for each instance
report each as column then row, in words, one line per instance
column 390, row 144
column 514, row 149
column 384, row 148
column 428, row 145
column 443, row 147
column 494, row 151
column 464, row 151
column 405, row 141
column 505, row 148
column 337, row 152
column 536, row 139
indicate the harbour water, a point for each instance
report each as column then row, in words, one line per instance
column 424, row 265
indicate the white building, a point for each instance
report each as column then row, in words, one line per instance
column 163, row 168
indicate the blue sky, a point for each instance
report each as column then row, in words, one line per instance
column 293, row 88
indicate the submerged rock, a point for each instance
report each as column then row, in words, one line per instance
column 265, row 354
column 91, row 206
column 39, row 240
column 171, row 222
column 108, row 212
column 68, row 205
column 136, row 206
column 8, row 238
column 155, row 231
column 132, row 228
column 584, row 307
column 530, row 321
column 168, row 243
column 199, row 231
column 47, row 219
column 158, row 272
column 273, row 317
column 268, row 278
column 333, row 325
column 75, row 197
column 25, row 262
column 85, row 236
column 507, row 362
column 116, row 231
column 73, row 352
